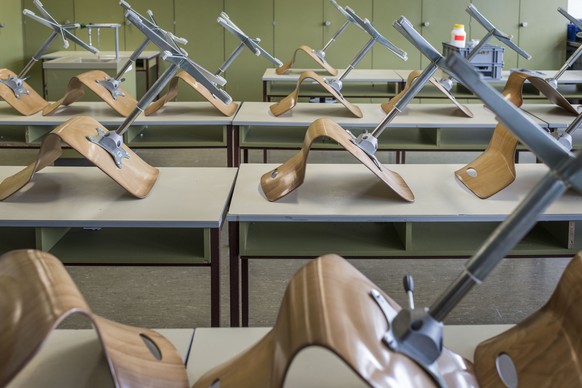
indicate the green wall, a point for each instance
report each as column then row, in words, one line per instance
column 283, row 25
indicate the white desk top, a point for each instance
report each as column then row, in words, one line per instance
column 87, row 54
column 86, row 197
column 173, row 113
column 351, row 193
column 313, row 366
column 74, row 358
column 414, row 116
column 569, row 76
column 554, row 116
column 356, row 75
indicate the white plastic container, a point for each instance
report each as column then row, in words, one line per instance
column 458, row 35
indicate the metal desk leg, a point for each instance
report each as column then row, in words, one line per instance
column 244, row 285
column 265, row 99
column 229, row 150
column 233, row 239
column 236, row 145
column 215, row 277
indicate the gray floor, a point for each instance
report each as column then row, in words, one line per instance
column 178, row 297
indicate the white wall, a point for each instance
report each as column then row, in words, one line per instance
column 575, row 8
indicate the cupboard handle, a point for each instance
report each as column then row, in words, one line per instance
column 327, row 23
column 523, row 24
column 425, row 24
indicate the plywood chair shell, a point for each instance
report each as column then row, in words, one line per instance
column 173, row 89
column 327, row 304
column 27, row 104
column 513, row 90
column 123, row 105
column 284, row 179
column 546, row 347
column 37, row 294
column 310, row 52
column 135, row 175
column 387, row 107
column 289, row 102
column 494, row 169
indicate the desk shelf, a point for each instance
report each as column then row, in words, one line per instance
column 349, row 90
column 405, row 239
column 412, row 139
column 143, row 246
column 17, row 238
column 176, row 136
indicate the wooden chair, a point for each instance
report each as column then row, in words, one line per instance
column 494, row 169
column 27, row 104
column 310, row 52
column 123, row 105
column 284, row 179
column 225, row 109
column 287, row 103
column 327, row 304
column 412, row 76
column 545, row 348
column 135, row 175
column 37, row 294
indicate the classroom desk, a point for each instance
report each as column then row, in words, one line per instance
column 569, row 84
column 313, row 366
column 382, row 83
column 176, row 125
column 146, row 61
column 344, row 209
column 82, row 216
column 74, row 358
column 359, row 83
column 419, row 127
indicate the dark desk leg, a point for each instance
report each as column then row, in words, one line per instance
column 215, row 277
column 234, row 274
column 265, row 91
column 265, row 156
column 229, row 150
column 236, row 145
column 245, row 292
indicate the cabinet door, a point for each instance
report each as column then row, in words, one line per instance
column 11, row 42
column 542, row 33
column 343, row 51
column 196, row 21
column 255, row 18
column 385, row 13
column 35, row 34
column 438, row 18
column 505, row 21
column 298, row 22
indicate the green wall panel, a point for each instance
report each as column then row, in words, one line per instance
column 385, row 13
column 163, row 13
column 11, row 41
column 545, row 35
column 342, row 52
column 440, row 16
column 298, row 22
column 196, row 21
column 506, row 21
column 255, row 18
column 35, row 34
column 87, row 12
